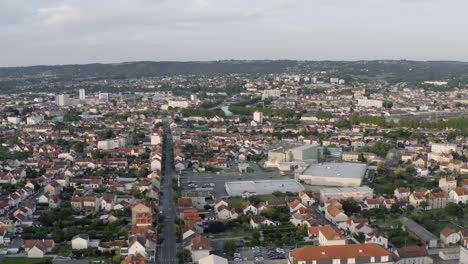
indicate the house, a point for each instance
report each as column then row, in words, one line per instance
column 142, row 213
column 219, row 202
column 306, row 219
column 137, row 245
column 327, row 236
column 295, row 205
column 437, row 199
column 80, row 241
column 199, row 247
column 370, row 203
column 411, row 255
column 350, row 253
column 459, row 195
column 53, row 188
column 247, row 208
column 335, row 215
column 376, row 237
column 3, row 236
column 38, row 248
column 134, row 259
column 402, row 193
column 257, row 220
column 449, row 237
column 307, row 198
column 89, row 204
column 447, row 183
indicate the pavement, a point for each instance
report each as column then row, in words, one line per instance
column 168, row 248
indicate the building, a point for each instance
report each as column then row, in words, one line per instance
column 199, row 247
column 334, row 174
column 62, row 100
column 343, row 193
column 142, row 214
column 82, row 93
column 213, row 259
column 287, row 152
column 352, row 253
column 80, row 241
column 418, row 232
column 248, row 188
column 447, row 183
column 156, row 139
column 258, row 117
column 329, row 236
column 449, row 236
column 104, row 97
column 411, row 255
column 178, row 103
column 112, row 143
column 464, row 252
column 443, row 148
column 370, row 103
column 271, row 93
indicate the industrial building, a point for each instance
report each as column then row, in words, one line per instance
column 347, row 174
column 290, row 152
column 249, row 188
column 342, row 193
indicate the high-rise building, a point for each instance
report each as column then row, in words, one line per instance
column 62, row 99
column 82, row 94
column 258, row 116
column 104, row 97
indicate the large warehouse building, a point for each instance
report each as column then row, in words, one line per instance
column 248, row 188
column 290, row 153
column 347, row 174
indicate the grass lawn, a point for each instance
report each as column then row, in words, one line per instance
column 24, row 260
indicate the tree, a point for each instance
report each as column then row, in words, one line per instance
column 454, row 209
column 361, row 157
column 350, row 206
column 78, row 147
column 424, row 205
column 184, row 256
column 216, row 227
column 229, row 247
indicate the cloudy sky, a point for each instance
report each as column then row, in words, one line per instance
column 84, row 31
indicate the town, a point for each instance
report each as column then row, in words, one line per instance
column 301, row 166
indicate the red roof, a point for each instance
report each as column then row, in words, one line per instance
column 341, row 251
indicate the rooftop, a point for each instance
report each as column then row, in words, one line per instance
column 338, row 170
column 237, row 188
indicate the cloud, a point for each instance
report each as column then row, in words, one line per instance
column 77, row 31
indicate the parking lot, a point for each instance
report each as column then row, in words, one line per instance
column 195, row 180
column 260, row 254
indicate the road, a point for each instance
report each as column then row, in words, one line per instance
column 168, row 247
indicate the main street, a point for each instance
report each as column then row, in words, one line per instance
column 168, row 249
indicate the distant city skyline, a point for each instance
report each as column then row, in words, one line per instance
column 53, row 32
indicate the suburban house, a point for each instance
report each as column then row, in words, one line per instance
column 80, row 241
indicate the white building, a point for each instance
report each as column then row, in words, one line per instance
column 370, row 103
column 271, row 93
column 103, row 97
column 111, row 143
column 82, row 93
column 155, row 139
column 258, row 117
column 178, row 103
column 464, row 252
column 80, row 241
column 344, row 174
column 443, row 148
column 62, row 100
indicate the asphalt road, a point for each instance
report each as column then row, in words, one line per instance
column 168, row 248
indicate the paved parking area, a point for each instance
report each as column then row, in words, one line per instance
column 216, row 181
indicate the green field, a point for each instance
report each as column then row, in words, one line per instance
column 24, row 260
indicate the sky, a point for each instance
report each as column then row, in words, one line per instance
column 49, row 32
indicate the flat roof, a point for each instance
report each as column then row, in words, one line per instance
column 337, row 170
column 346, row 189
column 237, row 188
